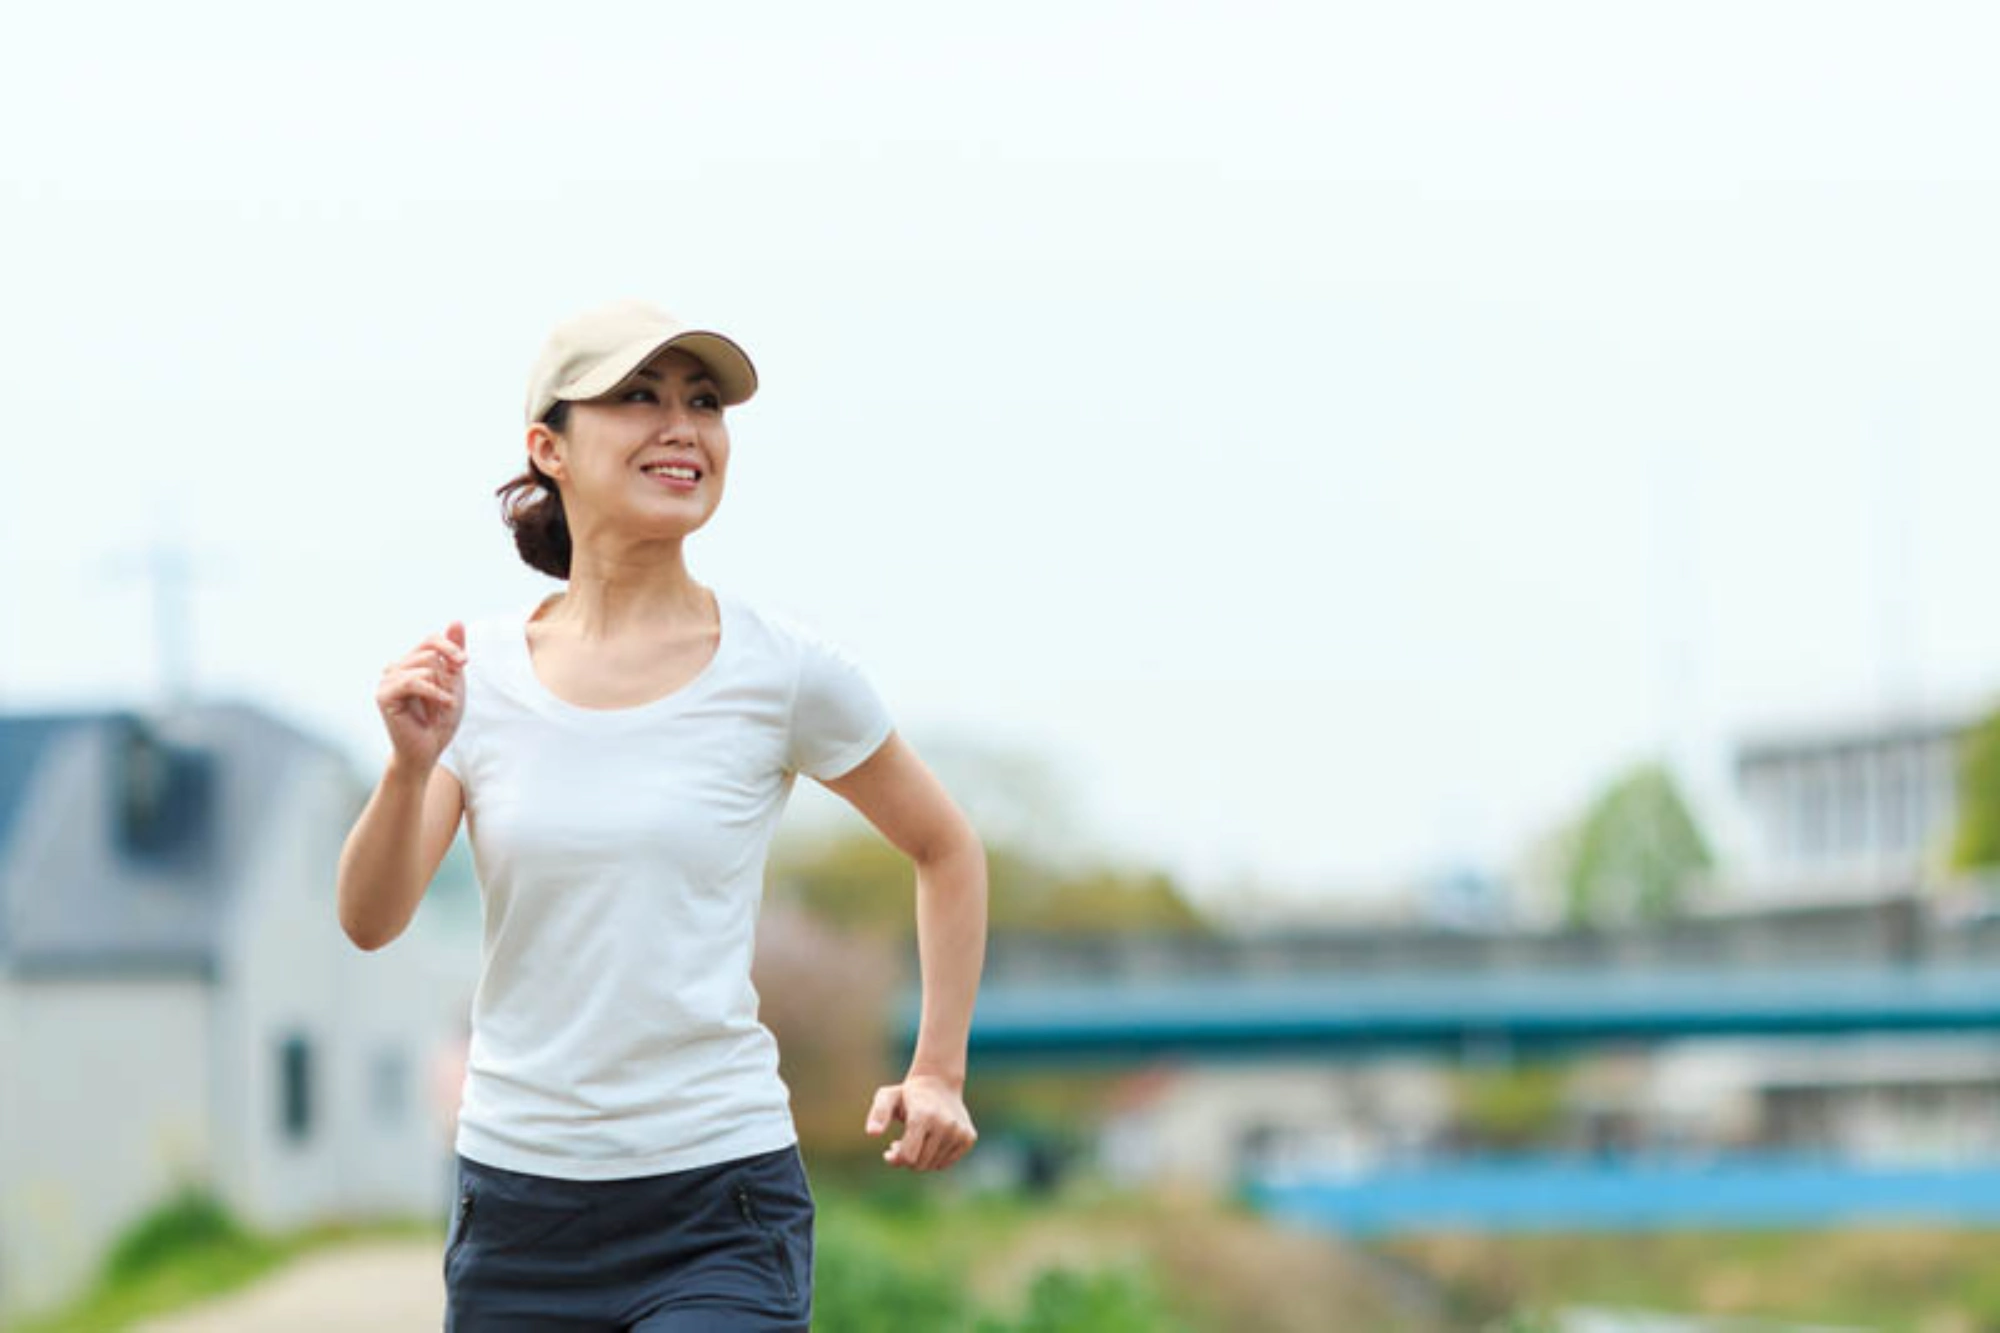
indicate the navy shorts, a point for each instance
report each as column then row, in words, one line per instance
column 715, row 1249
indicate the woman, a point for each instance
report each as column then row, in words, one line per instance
column 622, row 751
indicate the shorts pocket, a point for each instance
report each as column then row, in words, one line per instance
column 771, row 1195
column 773, row 1237
column 510, row 1214
column 461, row 1220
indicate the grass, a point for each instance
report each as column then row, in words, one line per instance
column 902, row 1253
column 892, row 1252
column 187, row 1251
column 898, row 1251
column 1911, row 1279
column 1088, row 1258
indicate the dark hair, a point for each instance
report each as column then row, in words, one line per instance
column 531, row 505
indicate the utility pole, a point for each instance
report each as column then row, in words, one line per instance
column 169, row 568
column 1899, row 681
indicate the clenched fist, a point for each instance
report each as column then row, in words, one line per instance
column 937, row 1130
column 422, row 696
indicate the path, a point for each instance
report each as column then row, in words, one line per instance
column 381, row 1286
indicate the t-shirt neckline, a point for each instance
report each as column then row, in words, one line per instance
column 672, row 702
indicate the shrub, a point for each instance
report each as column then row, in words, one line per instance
column 1065, row 1301
column 863, row 1286
column 193, row 1219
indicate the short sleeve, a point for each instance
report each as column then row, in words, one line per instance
column 449, row 758
column 456, row 755
column 838, row 718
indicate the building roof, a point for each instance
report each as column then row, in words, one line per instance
column 1850, row 736
column 125, row 837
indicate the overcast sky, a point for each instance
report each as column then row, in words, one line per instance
column 1337, row 437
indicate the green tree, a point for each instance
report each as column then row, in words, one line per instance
column 1510, row 1107
column 1635, row 852
column 1977, row 842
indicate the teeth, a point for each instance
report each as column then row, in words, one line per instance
column 684, row 473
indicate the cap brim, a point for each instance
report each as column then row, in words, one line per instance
column 728, row 364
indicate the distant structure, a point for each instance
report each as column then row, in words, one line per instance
column 1861, row 810
column 178, row 1005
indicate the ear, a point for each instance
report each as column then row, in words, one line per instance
column 542, row 449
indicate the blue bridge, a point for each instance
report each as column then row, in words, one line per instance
column 1027, row 1021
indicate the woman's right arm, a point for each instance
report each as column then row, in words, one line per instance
column 407, row 826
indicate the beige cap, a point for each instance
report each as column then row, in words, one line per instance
column 595, row 352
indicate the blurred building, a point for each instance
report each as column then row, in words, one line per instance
column 1850, row 825
column 1211, row 1126
column 1848, row 810
column 1894, row 1100
column 178, row 1004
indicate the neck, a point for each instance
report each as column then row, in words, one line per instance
column 638, row 595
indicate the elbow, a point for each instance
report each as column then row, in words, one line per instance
column 962, row 846
column 362, row 938
column 965, row 840
column 365, row 935
column 370, row 906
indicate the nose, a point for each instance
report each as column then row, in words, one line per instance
column 679, row 426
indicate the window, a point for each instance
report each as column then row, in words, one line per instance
column 1893, row 803
column 1815, row 800
column 389, row 1087
column 164, row 799
column 1851, row 832
column 295, row 1088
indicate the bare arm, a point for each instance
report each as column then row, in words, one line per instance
column 394, row 848
column 900, row 796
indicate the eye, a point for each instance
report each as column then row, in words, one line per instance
column 708, row 402
column 640, row 395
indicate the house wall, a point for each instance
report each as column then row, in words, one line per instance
column 1209, row 1125
column 373, row 1025
column 1902, row 1098
column 1872, row 811
column 103, row 1113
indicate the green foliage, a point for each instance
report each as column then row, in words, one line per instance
column 1976, row 845
column 857, row 882
column 1060, row 1110
column 190, row 1249
column 860, row 881
column 1524, row 1322
column 1102, row 900
column 1063, row 1300
column 1510, row 1108
column 192, row 1220
column 862, row 1285
column 895, row 1253
column 1635, row 853
column 1895, row 1278
column 186, row 1249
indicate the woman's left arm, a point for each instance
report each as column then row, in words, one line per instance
column 900, row 796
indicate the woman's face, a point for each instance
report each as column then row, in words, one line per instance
column 609, row 462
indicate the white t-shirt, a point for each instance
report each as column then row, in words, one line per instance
column 620, row 855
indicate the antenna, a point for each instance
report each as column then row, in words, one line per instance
column 1675, row 613
column 170, row 568
column 1899, row 682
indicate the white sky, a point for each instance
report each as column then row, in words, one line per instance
column 1337, row 437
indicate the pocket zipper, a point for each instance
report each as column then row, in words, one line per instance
column 464, row 1222
column 750, row 1215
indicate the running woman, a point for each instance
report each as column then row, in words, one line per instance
column 621, row 751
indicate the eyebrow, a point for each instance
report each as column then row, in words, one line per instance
column 698, row 375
